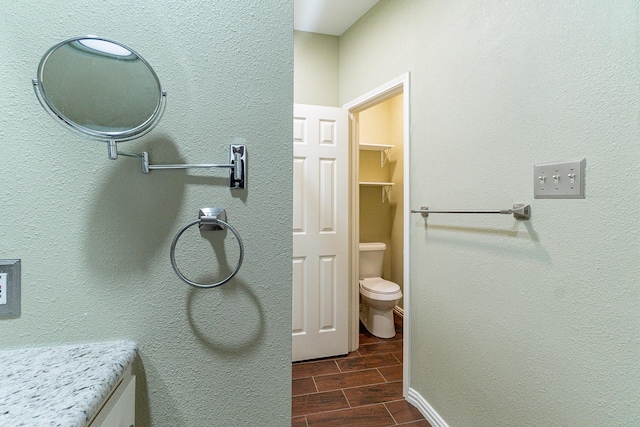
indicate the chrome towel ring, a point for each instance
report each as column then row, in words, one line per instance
column 208, row 219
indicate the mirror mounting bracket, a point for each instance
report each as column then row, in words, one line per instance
column 237, row 163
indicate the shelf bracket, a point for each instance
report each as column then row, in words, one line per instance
column 386, row 191
column 384, row 156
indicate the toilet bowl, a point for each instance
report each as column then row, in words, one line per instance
column 378, row 296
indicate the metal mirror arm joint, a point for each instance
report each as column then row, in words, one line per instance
column 236, row 165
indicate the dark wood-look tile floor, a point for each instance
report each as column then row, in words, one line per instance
column 361, row 389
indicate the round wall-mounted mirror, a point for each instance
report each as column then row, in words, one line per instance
column 100, row 88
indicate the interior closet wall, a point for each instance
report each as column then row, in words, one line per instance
column 381, row 221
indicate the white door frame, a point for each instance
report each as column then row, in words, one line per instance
column 382, row 93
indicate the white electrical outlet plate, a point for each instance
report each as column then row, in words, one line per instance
column 9, row 288
column 3, row 288
column 559, row 180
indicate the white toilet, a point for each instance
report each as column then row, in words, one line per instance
column 379, row 296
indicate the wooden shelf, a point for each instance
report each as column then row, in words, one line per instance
column 377, row 184
column 384, row 149
column 385, row 186
column 365, row 146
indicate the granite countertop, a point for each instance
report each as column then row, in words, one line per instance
column 62, row 385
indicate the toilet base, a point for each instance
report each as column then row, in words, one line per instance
column 378, row 322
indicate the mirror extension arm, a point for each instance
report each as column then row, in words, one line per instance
column 236, row 165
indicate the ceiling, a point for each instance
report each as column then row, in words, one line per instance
column 331, row 17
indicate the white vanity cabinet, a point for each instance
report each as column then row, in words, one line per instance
column 119, row 409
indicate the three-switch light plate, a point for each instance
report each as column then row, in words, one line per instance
column 559, row 180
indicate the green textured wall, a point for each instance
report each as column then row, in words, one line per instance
column 316, row 69
column 94, row 234
column 517, row 323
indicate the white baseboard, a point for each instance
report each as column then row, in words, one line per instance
column 425, row 409
column 399, row 311
column 417, row 400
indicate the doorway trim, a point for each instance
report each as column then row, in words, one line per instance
column 388, row 90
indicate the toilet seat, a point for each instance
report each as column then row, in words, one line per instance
column 379, row 286
column 380, row 289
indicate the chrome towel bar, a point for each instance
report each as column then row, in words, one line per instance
column 519, row 211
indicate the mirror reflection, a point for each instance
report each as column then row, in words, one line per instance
column 100, row 88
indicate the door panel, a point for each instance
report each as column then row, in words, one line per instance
column 320, row 232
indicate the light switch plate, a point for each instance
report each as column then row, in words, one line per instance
column 10, row 283
column 559, row 180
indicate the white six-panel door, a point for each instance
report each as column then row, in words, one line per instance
column 320, row 232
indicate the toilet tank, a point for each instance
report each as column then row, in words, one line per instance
column 371, row 259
